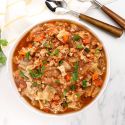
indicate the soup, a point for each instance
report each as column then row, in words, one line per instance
column 59, row 66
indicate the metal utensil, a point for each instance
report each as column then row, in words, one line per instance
column 61, row 6
column 118, row 19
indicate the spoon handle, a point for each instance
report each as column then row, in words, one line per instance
column 104, row 26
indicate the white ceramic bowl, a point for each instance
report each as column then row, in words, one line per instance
column 25, row 103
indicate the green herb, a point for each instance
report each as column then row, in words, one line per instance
column 73, row 87
column 84, row 83
column 45, row 44
column 57, row 81
column 55, row 52
column 3, row 42
column 43, row 68
column 27, row 55
column 34, row 84
column 75, row 73
column 44, row 62
column 49, row 52
column 37, row 73
column 74, row 76
column 48, row 45
column 87, row 50
column 76, row 37
column 76, row 66
column 78, row 95
column 79, row 46
column 3, row 58
column 64, row 104
column 21, row 73
column 65, row 91
column 60, row 62
column 97, row 51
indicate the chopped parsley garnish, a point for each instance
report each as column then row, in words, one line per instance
column 21, row 73
column 49, row 52
column 97, row 51
column 78, row 95
column 43, row 68
column 60, row 62
column 75, row 73
column 76, row 37
column 48, row 45
column 79, row 46
column 34, row 84
column 55, row 52
column 65, row 91
column 87, row 50
column 37, row 73
column 27, row 55
column 73, row 87
column 57, row 81
column 84, row 83
column 64, row 104
column 44, row 62
column 74, row 76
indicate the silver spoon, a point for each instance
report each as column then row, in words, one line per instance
column 61, row 6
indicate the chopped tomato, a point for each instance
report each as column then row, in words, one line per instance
column 22, row 53
column 98, row 82
column 39, row 38
column 30, row 45
column 20, row 57
column 67, row 77
column 51, row 23
column 86, row 41
column 56, row 98
column 46, row 110
column 95, row 76
column 22, row 85
column 65, row 38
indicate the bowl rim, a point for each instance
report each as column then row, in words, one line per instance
column 29, row 106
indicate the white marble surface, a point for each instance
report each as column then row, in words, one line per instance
column 108, row 110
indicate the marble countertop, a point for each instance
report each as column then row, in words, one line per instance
column 108, row 110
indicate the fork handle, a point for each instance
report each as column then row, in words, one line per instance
column 118, row 19
column 102, row 25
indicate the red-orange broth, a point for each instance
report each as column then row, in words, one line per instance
column 59, row 66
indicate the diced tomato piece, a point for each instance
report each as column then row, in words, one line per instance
column 56, row 98
column 98, row 82
column 42, row 36
column 22, row 53
column 86, row 41
column 46, row 110
column 22, row 85
column 30, row 45
column 67, row 77
column 95, row 76
column 39, row 38
column 65, row 38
